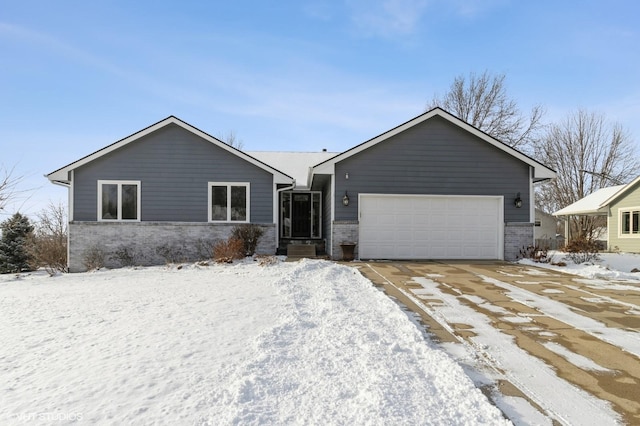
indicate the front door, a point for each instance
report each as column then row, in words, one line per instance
column 301, row 216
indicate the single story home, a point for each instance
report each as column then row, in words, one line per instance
column 620, row 204
column 434, row 187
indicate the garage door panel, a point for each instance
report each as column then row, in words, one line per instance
column 430, row 227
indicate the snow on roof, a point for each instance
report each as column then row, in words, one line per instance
column 592, row 204
column 295, row 164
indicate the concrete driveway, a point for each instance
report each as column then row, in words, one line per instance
column 563, row 343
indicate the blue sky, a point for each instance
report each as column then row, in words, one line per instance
column 289, row 75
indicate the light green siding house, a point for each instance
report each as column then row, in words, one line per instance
column 621, row 205
column 624, row 219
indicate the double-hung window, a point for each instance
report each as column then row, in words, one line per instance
column 118, row 200
column 630, row 222
column 228, row 202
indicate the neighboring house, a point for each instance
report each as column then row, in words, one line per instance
column 621, row 206
column 432, row 188
column 546, row 227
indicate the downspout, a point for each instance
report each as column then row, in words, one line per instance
column 278, row 191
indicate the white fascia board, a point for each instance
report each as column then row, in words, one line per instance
column 62, row 173
column 326, row 168
column 541, row 172
column 599, row 212
column 592, row 204
column 619, row 193
column 309, row 177
column 532, row 197
column 278, row 176
column 59, row 177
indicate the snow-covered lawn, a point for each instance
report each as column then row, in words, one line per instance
column 310, row 342
column 615, row 266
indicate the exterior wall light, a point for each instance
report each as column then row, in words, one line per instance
column 518, row 201
column 345, row 199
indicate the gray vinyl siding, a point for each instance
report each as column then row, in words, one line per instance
column 174, row 167
column 433, row 157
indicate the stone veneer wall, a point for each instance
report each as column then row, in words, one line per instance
column 343, row 231
column 185, row 241
column 516, row 236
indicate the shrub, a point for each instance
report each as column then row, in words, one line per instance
column 93, row 258
column 170, row 254
column 49, row 246
column 581, row 250
column 535, row 253
column 204, row 249
column 249, row 234
column 227, row 251
column 126, row 256
column 50, row 252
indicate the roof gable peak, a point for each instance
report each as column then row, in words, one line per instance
column 61, row 175
column 541, row 172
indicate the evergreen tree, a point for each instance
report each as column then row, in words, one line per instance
column 14, row 250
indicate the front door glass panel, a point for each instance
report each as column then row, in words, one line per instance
column 300, row 214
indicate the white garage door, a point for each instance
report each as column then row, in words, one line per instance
column 430, row 227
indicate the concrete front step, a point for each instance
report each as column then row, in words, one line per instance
column 301, row 250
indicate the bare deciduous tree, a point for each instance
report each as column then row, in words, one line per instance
column 50, row 238
column 482, row 101
column 232, row 139
column 588, row 153
column 8, row 183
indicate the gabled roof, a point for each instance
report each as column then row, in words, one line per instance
column 593, row 204
column 295, row 164
column 597, row 202
column 541, row 172
column 61, row 175
column 621, row 191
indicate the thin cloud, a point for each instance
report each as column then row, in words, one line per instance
column 473, row 8
column 52, row 44
column 402, row 18
column 321, row 10
column 387, row 18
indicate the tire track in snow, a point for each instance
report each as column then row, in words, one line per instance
column 562, row 400
column 624, row 339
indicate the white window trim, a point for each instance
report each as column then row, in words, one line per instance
column 119, row 183
column 247, row 185
column 622, row 210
